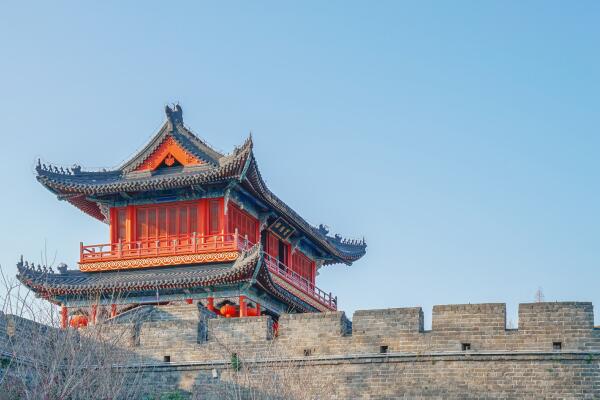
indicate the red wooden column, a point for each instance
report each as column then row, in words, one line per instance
column 211, row 304
column 224, row 217
column 202, row 219
column 93, row 314
column 113, row 310
column 130, row 225
column 64, row 317
column 243, row 307
column 257, row 310
column 114, row 228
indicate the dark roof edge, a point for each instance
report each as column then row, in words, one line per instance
column 333, row 244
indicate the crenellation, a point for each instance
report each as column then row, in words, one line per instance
column 465, row 328
column 558, row 316
column 386, row 354
column 487, row 318
column 568, row 323
column 240, row 330
column 317, row 325
column 387, row 321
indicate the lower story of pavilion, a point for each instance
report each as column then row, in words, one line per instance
column 246, row 287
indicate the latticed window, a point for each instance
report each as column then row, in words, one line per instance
column 303, row 266
column 243, row 222
column 300, row 263
column 214, row 212
column 122, row 224
column 166, row 221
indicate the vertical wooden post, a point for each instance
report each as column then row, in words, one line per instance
column 113, row 225
column 64, row 317
column 223, row 217
column 113, row 310
column 258, row 233
column 211, row 304
column 243, row 307
column 130, row 225
column 93, row 314
column 202, row 218
column 257, row 310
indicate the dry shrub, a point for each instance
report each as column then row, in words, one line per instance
column 41, row 361
column 264, row 374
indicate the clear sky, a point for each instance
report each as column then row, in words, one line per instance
column 459, row 138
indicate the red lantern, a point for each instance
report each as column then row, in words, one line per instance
column 229, row 311
column 79, row 321
column 252, row 312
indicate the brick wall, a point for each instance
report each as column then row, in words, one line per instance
column 381, row 354
column 386, row 353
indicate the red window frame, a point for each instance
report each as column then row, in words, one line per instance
column 215, row 221
column 245, row 223
column 303, row 266
column 159, row 221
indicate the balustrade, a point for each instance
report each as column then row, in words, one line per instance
column 164, row 246
column 197, row 244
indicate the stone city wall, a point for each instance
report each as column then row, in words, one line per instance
column 382, row 354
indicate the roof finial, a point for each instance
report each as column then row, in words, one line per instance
column 175, row 114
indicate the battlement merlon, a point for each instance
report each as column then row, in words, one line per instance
column 544, row 328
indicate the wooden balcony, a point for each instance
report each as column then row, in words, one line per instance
column 184, row 244
column 155, row 252
column 299, row 282
column 190, row 249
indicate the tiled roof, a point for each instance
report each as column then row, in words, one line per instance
column 46, row 283
column 77, row 282
column 174, row 127
column 75, row 185
column 347, row 250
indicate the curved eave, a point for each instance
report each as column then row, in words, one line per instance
column 76, row 186
column 70, row 184
column 342, row 250
column 74, row 282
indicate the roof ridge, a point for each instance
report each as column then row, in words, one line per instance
column 130, row 164
column 199, row 142
column 174, row 127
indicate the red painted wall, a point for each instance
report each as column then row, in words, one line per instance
column 205, row 217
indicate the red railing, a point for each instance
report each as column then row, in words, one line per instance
column 173, row 245
column 283, row 271
column 196, row 244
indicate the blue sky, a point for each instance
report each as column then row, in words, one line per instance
column 460, row 138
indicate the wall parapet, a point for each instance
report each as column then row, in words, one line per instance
column 466, row 328
column 385, row 353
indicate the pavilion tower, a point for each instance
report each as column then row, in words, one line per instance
column 187, row 223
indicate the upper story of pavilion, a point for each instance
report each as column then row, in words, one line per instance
column 179, row 202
